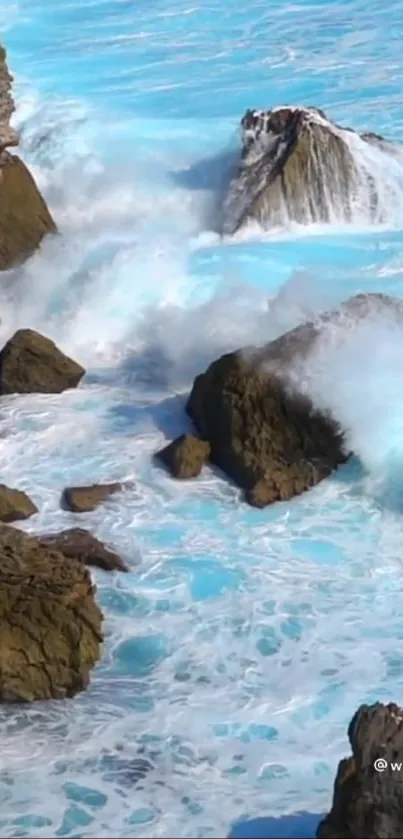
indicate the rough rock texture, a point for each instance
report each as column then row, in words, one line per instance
column 15, row 505
column 185, row 456
column 80, row 545
column 264, row 432
column 86, row 498
column 31, row 363
column 50, row 624
column 367, row 802
column 24, row 216
column 297, row 165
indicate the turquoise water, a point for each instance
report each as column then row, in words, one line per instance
column 243, row 640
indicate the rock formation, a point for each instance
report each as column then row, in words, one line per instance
column 80, row 545
column 50, row 624
column 85, row 499
column 296, row 165
column 185, row 456
column 15, row 505
column 31, row 363
column 368, row 789
column 24, row 216
column 262, row 428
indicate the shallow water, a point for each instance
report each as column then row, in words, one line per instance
column 242, row 640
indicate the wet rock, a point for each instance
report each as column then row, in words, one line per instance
column 15, row 505
column 85, row 499
column 368, row 792
column 32, row 363
column 264, row 431
column 185, row 456
column 80, row 545
column 296, row 165
column 50, row 624
column 24, row 216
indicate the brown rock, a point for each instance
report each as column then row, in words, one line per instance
column 50, row 624
column 15, row 505
column 185, row 456
column 368, row 790
column 24, row 216
column 297, row 165
column 84, row 499
column 80, row 545
column 31, row 363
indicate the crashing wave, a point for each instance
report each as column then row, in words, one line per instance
column 298, row 166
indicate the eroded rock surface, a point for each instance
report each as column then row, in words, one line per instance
column 15, row 505
column 185, row 456
column 85, row 499
column 296, row 165
column 368, row 791
column 82, row 546
column 50, row 624
column 32, row 363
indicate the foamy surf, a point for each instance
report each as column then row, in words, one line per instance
column 242, row 641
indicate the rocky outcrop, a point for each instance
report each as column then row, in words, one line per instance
column 85, row 499
column 80, row 545
column 24, row 216
column 32, row 363
column 264, row 431
column 368, row 790
column 296, row 165
column 15, row 505
column 50, row 624
column 185, row 456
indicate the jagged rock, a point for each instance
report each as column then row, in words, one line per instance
column 15, row 505
column 368, row 801
column 24, row 216
column 296, row 165
column 185, row 456
column 50, row 624
column 80, row 545
column 264, row 432
column 84, row 499
column 31, row 363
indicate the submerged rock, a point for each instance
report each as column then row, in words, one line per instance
column 368, row 791
column 50, row 624
column 264, row 431
column 24, row 215
column 185, row 456
column 32, row 363
column 80, row 545
column 15, row 505
column 85, row 499
column 296, row 165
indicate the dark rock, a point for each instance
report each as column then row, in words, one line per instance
column 296, row 165
column 79, row 544
column 24, row 216
column 265, row 434
column 368, row 802
column 85, row 499
column 185, row 456
column 50, row 624
column 15, row 505
column 31, row 363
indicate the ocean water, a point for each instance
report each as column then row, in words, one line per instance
column 242, row 641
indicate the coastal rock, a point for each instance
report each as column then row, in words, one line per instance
column 368, row 792
column 264, row 431
column 32, row 363
column 296, row 165
column 24, row 215
column 185, row 456
column 80, row 545
column 85, row 499
column 50, row 624
column 15, row 505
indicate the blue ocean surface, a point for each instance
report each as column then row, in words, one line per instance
column 242, row 640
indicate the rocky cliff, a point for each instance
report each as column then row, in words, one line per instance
column 24, row 216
